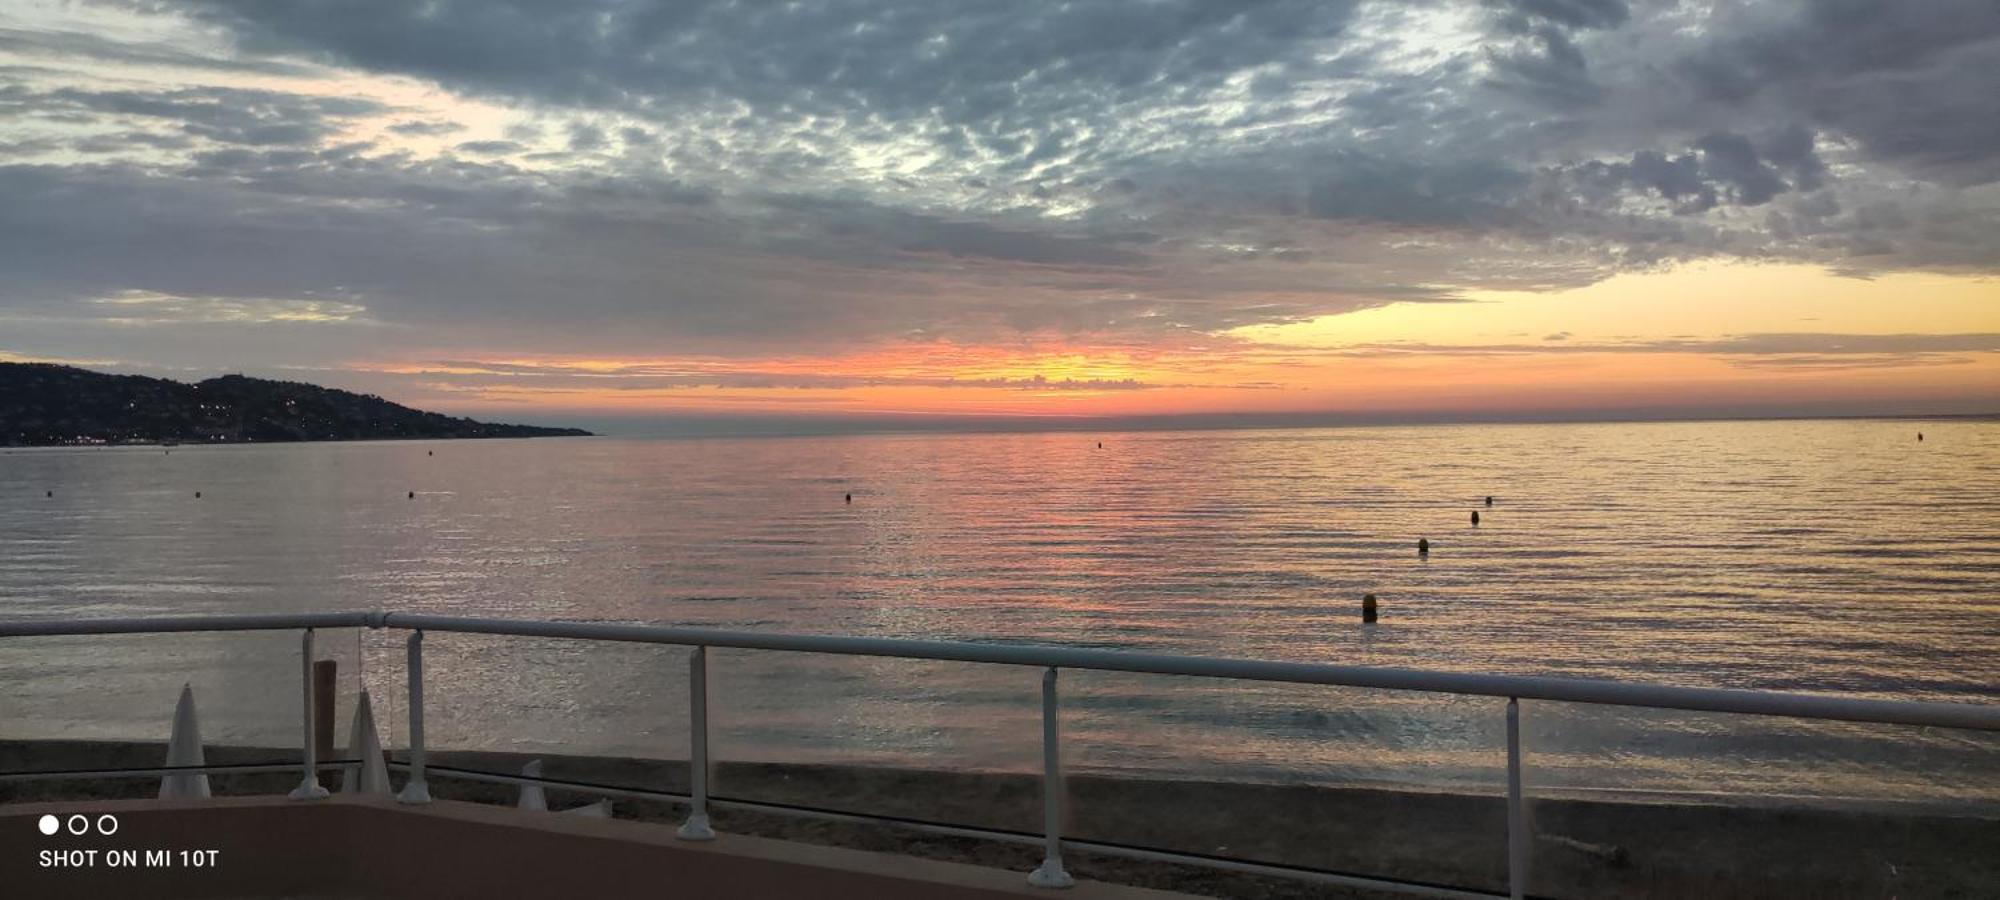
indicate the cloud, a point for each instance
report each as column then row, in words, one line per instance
column 1518, row 14
column 75, row 46
column 745, row 178
column 1755, row 350
column 556, row 377
column 490, row 148
column 218, row 114
column 585, row 137
column 418, row 128
column 134, row 307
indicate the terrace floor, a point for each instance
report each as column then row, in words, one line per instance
column 355, row 847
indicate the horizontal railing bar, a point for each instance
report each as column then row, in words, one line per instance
column 148, row 772
column 684, row 799
column 431, row 768
column 155, row 624
column 1129, row 851
column 1530, row 687
column 1570, row 690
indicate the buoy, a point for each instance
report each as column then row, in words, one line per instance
column 197, row 495
column 413, row 495
column 1920, row 437
column 1100, row 445
column 430, row 452
column 1489, row 501
column 1423, row 546
column 1368, row 609
column 1475, row 518
column 850, row 498
column 48, row 493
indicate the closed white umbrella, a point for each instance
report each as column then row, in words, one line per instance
column 184, row 749
column 531, row 794
column 599, row 810
column 371, row 775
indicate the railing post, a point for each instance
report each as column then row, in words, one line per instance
column 416, row 790
column 1517, row 820
column 696, row 827
column 309, row 788
column 1051, row 874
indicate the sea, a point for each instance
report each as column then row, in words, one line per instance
column 1837, row 557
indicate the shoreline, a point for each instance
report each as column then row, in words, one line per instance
column 1583, row 847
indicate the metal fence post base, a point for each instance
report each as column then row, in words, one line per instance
column 415, row 793
column 696, row 829
column 1051, row 875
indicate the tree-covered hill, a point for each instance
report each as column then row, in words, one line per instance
column 50, row 404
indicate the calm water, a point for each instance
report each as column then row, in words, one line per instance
column 1839, row 557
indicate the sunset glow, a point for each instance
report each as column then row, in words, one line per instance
column 1798, row 335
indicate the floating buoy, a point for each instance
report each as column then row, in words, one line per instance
column 197, row 495
column 413, row 495
column 1100, row 445
column 1368, row 609
column 1920, row 437
column 430, row 452
column 1475, row 518
column 49, row 493
column 1423, row 546
column 1489, row 501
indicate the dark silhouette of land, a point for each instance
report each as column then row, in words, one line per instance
column 43, row 404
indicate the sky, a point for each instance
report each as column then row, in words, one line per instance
column 605, row 210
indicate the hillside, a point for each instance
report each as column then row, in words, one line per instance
column 42, row 404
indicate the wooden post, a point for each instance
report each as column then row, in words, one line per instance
column 325, row 674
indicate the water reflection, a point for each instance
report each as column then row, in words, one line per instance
column 1824, row 556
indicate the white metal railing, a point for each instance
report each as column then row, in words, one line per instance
column 1051, row 659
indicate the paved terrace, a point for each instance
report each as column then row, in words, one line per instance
column 358, row 847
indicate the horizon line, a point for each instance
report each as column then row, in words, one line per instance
column 671, row 426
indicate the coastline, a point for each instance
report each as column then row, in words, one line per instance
column 1583, row 847
column 370, row 439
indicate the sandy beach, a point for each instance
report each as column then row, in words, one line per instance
column 1583, row 847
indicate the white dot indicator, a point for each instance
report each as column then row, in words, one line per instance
column 49, row 824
